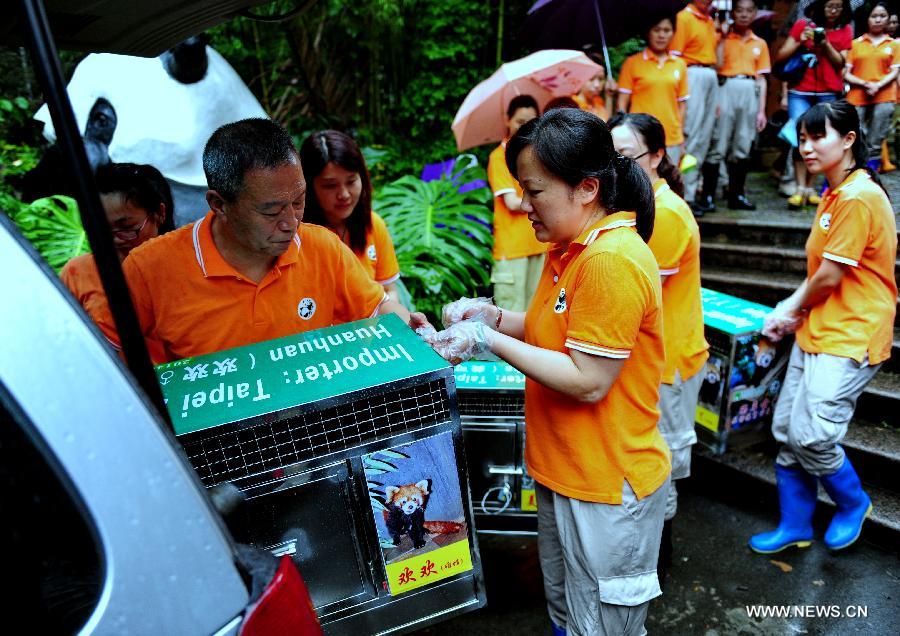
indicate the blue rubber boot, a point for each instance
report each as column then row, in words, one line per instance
column 797, row 501
column 853, row 506
column 557, row 630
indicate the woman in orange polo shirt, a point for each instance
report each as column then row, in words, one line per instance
column 339, row 197
column 845, row 313
column 591, row 348
column 138, row 205
column 872, row 67
column 676, row 245
column 596, row 95
column 655, row 82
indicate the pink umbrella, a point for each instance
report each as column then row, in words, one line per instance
column 544, row 75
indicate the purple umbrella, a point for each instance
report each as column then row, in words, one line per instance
column 576, row 24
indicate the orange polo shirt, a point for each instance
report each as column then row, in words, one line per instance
column 676, row 245
column 600, row 296
column 513, row 234
column 746, row 54
column 595, row 105
column 656, row 88
column 189, row 299
column 854, row 225
column 695, row 37
column 81, row 276
column 871, row 62
column 378, row 258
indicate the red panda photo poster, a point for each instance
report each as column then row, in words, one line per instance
column 418, row 511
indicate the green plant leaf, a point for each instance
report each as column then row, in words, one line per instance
column 372, row 463
column 442, row 237
column 377, row 504
column 53, row 225
column 389, row 452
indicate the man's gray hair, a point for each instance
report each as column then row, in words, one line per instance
column 245, row 145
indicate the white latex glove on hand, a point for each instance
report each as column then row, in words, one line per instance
column 783, row 320
column 462, row 341
column 480, row 309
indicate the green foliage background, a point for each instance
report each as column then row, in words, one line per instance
column 391, row 73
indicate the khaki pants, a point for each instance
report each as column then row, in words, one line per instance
column 875, row 121
column 699, row 121
column 814, row 407
column 599, row 560
column 515, row 281
column 677, row 412
column 736, row 127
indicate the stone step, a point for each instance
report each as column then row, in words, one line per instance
column 791, row 230
column 753, row 258
column 768, row 288
column 874, row 450
column 741, row 470
column 761, row 258
column 880, row 400
column 765, row 287
column 786, row 233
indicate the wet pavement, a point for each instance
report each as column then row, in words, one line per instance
column 714, row 578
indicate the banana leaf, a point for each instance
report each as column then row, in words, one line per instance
column 53, row 225
column 442, row 237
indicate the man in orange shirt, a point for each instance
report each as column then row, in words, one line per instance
column 743, row 63
column 695, row 43
column 249, row 270
column 518, row 255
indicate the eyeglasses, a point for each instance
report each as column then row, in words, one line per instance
column 636, row 157
column 130, row 235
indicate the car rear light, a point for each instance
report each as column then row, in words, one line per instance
column 284, row 606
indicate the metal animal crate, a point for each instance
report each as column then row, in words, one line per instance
column 743, row 375
column 318, row 431
column 491, row 397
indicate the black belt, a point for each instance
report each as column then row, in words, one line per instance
column 703, row 65
column 728, row 77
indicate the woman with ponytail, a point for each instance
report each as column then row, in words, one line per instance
column 843, row 314
column 676, row 245
column 591, row 347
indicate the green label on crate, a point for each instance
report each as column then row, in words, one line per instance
column 488, row 375
column 265, row 377
column 731, row 315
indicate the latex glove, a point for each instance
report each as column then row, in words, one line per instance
column 462, row 341
column 481, row 309
column 418, row 320
column 783, row 320
column 425, row 331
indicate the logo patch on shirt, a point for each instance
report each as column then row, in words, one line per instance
column 756, row 51
column 677, row 74
column 560, row 305
column 825, row 222
column 370, row 252
column 306, row 308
